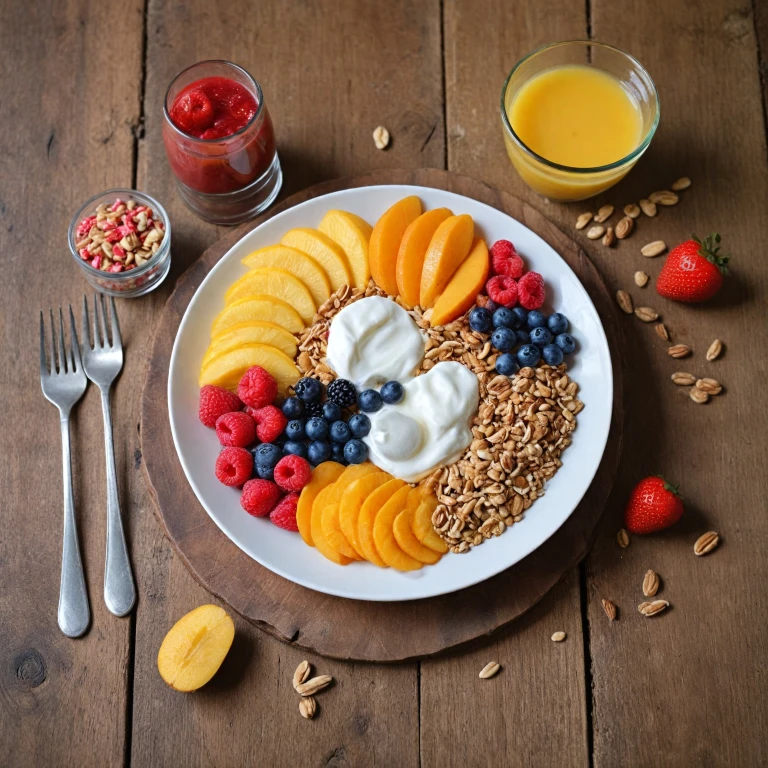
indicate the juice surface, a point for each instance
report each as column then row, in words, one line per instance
column 577, row 116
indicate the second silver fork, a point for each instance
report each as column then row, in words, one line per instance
column 102, row 362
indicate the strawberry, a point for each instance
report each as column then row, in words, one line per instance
column 693, row 270
column 653, row 505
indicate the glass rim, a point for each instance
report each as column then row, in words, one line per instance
column 130, row 273
column 641, row 147
column 209, row 142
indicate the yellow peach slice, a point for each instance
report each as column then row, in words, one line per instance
column 257, row 309
column 385, row 241
column 272, row 281
column 194, row 648
column 384, row 536
column 460, row 293
column 298, row 264
column 352, row 500
column 227, row 369
column 409, row 543
column 423, row 530
column 365, row 521
column 329, row 520
column 353, row 234
column 261, row 332
column 322, row 476
column 448, row 248
column 324, row 251
column 413, row 249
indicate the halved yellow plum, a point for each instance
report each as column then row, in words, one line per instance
column 257, row 309
column 227, row 369
column 272, row 281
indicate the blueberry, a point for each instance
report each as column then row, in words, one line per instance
column 359, row 425
column 295, row 448
column 528, row 356
column 505, row 318
column 267, row 455
column 506, row 364
column 293, row 408
column 536, row 319
column 503, row 339
column 294, row 430
column 340, row 432
column 522, row 316
column 566, row 342
column 369, row 400
column 540, row 336
column 308, row 390
column 331, row 411
column 355, row 451
column 557, row 323
column 480, row 320
column 337, row 453
column 392, row 392
column 552, row 354
column 264, row 472
column 317, row 428
column 318, row 452
column 523, row 337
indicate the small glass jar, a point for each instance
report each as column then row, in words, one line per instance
column 130, row 282
column 223, row 180
column 561, row 182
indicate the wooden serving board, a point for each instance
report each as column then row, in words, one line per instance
column 350, row 629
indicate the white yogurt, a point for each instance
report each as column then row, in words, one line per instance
column 374, row 341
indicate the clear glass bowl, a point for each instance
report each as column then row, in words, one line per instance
column 561, row 182
column 131, row 282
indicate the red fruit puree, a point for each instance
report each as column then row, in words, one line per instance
column 213, row 109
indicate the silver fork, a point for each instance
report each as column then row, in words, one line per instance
column 103, row 361
column 63, row 385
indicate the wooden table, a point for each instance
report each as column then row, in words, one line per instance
column 81, row 89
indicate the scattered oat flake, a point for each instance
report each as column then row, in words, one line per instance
column 308, row 707
column 489, row 670
column 706, row 543
column 651, row 609
column 651, row 583
column 682, row 183
column 381, row 137
column 610, row 609
column 558, row 637
column 622, row 537
column 715, row 350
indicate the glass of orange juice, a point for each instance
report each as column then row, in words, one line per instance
column 577, row 116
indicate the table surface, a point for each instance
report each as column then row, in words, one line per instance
column 81, row 91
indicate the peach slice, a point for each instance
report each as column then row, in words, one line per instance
column 324, row 251
column 194, row 648
column 353, row 234
column 318, row 534
column 409, row 543
column 322, row 476
column 368, row 513
column 413, row 248
column 385, row 241
column 227, row 369
column 448, row 248
column 384, row 537
column 298, row 264
column 272, row 281
column 352, row 500
column 256, row 309
column 423, row 530
column 329, row 520
column 261, row 332
column 460, row 293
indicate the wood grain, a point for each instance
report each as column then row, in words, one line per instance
column 62, row 701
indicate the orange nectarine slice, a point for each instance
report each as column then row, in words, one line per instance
column 423, row 530
column 277, row 282
column 460, row 293
column 409, row 543
column 352, row 501
column 329, row 520
column 322, row 476
column 384, row 537
column 368, row 512
column 448, row 248
column 385, row 241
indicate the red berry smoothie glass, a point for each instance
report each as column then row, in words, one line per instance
column 220, row 142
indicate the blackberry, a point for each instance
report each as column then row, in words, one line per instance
column 313, row 409
column 342, row 392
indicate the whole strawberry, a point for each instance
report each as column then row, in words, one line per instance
column 693, row 270
column 653, row 505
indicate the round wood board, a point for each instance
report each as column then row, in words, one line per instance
column 350, row 629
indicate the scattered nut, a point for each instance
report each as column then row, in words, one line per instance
column 624, row 300
column 650, row 583
column 315, row 685
column 682, row 183
column 646, row 314
column 665, row 197
column 604, row 214
column 624, row 227
column 684, row 379
column 609, row 238
column 381, row 137
column 632, row 210
column 301, row 673
column 699, row 396
column 622, row 537
column 715, row 350
column 489, row 670
column 558, row 637
column 641, row 279
column 706, row 543
column 610, row 609
column 647, row 207
column 596, row 232
column 655, row 248
column 661, row 331
column 651, row 609
column 710, row 386
column 583, row 220
column 308, row 707
column 679, row 350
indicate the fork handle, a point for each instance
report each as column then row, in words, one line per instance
column 74, row 612
column 119, row 589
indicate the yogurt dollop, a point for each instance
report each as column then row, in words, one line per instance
column 375, row 340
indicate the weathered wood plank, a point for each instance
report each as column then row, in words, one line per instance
column 68, row 114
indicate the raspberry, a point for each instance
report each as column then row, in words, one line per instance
column 270, row 422
column 505, row 259
column 236, row 428
column 531, row 290
column 259, row 497
column 215, row 402
column 234, row 466
column 257, row 388
column 193, row 111
column 503, row 290
column 284, row 514
column 292, row 473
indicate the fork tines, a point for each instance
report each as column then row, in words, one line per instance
column 101, row 338
column 63, row 359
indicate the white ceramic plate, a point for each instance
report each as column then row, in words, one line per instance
column 285, row 553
